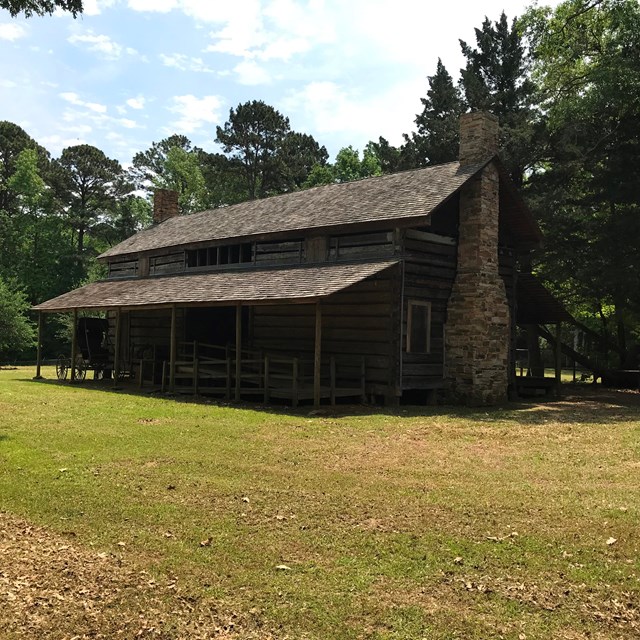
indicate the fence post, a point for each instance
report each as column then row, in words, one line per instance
column 39, row 356
column 266, row 379
column 196, row 368
column 294, row 387
column 332, row 380
column 238, row 350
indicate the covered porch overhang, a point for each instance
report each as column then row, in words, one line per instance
column 237, row 288
column 536, row 307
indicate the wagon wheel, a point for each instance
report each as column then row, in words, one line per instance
column 62, row 367
column 80, row 370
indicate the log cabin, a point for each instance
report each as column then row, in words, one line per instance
column 382, row 288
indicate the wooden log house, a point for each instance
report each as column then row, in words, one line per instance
column 381, row 287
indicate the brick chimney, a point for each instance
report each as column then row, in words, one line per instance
column 478, row 323
column 165, row 205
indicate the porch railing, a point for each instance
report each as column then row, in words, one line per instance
column 209, row 369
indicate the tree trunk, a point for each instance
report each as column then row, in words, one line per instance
column 622, row 337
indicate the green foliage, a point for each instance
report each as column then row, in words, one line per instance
column 587, row 191
column 437, row 137
column 13, row 141
column 86, row 183
column 151, row 165
column 299, row 153
column 182, row 173
column 349, row 166
column 16, row 331
column 261, row 146
column 252, row 136
column 40, row 7
column 320, row 174
column 26, row 182
column 497, row 79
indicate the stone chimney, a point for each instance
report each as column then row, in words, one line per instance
column 165, row 205
column 478, row 323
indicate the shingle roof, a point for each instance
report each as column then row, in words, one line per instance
column 536, row 304
column 407, row 194
column 296, row 283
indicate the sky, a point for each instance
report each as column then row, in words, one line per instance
column 130, row 72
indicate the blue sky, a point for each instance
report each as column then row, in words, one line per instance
column 130, row 72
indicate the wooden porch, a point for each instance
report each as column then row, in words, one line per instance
column 217, row 371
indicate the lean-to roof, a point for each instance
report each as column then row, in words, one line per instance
column 286, row 284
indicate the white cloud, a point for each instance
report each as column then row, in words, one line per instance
column 102, row 45
column 11, row 32
column 329, row 108
column 160, row 6
column 136, row 103
column 56, row 143
column 194, row 112
column 78, row 129
column 251, row 73
column 74, row 99
column 185, row 63
column 95, row 7
column 127, row 123
column 7, row 84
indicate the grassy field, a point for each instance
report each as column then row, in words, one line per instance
column 144, row 515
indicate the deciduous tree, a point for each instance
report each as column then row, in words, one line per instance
column 41, row 7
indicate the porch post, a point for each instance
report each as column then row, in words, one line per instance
column 172, row 351
column 39, row 356
column 558, row 359
column 116, row 350
column 238, row 348
column 74, row 345
column 317, row 356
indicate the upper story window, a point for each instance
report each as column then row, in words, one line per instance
column 215, row 256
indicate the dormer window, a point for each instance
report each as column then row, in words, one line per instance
column 216, row 256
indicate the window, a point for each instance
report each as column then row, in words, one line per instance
column 419, row 327
column 213, row 256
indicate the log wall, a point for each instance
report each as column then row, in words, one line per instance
column 429, row 271
column 356, row 323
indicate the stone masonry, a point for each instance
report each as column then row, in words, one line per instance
column 478, row 324
column 165, row 205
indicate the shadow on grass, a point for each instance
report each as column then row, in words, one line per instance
column 579, row 404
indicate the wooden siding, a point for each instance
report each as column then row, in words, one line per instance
column 167, row 263
column 145, row 331
column 283, row 252
column 123, row 269
column 356, row 323
column 363, row 245
column 429, row 272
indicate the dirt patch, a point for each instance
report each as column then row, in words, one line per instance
column 51, row 587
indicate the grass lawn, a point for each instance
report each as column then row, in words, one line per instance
column 161, row 518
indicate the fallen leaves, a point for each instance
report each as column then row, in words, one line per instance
column 49, row 588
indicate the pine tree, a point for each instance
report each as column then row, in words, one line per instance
column 437, row 137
